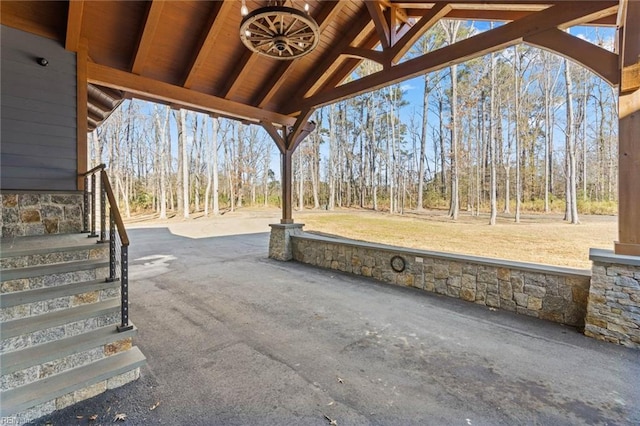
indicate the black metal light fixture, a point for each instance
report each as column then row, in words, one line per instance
column 278, row 31
column 43, row 62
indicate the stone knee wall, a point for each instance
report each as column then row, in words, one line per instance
column 25, row 214
column 613, row 312
column 551, row 293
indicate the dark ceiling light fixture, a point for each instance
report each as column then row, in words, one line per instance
column 43, row 62
column 278, row 31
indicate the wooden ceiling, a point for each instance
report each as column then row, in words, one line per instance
column 189, row 54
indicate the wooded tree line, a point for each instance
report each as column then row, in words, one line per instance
column 517, row 130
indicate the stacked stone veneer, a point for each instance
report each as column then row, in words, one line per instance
column 613, row 313
column 40, row 213
column 551, row 293
column 102, row 291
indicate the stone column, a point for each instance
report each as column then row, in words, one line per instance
column 613, row 309
column 280, row 240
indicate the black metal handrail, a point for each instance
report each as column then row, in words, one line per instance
column 118, row 238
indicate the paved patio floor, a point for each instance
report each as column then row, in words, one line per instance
column 234, row 338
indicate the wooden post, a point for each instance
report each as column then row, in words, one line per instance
column 287, row 183
column 629, row 131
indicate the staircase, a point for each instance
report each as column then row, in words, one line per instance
column 60, row 342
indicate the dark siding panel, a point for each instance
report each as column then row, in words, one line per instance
column 36, row 162
column 48, row 119
column 20, row 103
column 38, row 150
column 21, row 173
column 21, row 139
column 51, row 184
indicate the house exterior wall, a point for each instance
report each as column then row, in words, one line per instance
column 38, row 124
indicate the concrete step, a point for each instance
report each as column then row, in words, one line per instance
column 11, row 362
column 48, row 389
column 23, row 326
column 17, row 298
column 33, row 251
column 20, row 279
column 49, row 269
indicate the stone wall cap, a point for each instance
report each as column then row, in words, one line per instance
column 499, row 263
column 608, row 256
column 286, row 225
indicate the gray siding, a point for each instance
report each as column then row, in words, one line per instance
column 38, row 110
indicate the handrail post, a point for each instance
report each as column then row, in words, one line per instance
column 124, row 290
column 112, row 248
column 94, row 187
column 85, row 199
column 103, row 214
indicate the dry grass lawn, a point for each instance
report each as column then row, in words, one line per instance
column 538, row 238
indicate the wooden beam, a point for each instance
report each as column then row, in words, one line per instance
column 190, row 99
column 346, row 68
column 329, row 11
column 428, row 20
column 630, row 78
column 277, row 137
column 74, row 25
column 361, row 53
column 301, row 130
column 146, row 37
column 598, row 60
column 473, row 47
column 82, row 99
column 380, row 22
column 209, row 39
column 244, row 66
column 629, row 133
column 355, row 28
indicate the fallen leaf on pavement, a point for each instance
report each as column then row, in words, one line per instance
column 331, row 403
column 120, row 417
column 340, row 380
column 79, row 417
column 94, row 417
column 154, row 406
column 331, row 421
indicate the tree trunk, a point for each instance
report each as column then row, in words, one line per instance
column 571, row 196
column 516, row 66
column 492, row 143
column 423, row 142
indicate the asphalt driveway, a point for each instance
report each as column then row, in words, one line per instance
column 235, row 338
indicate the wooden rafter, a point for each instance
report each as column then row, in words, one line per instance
column 600, row 61
column 176, row 95
column 240, row 70
column 381, row 24
column 473, row 47
column 385, row 58
column 350, row 65
column 355, row 29
column 74, row 25
column 427, row 21
column 146, row 37
column 329, row 11
column 208, row 40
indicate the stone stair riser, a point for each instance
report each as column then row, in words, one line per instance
column 53, row 280
column 41, row 371
column 57, row 304
column 100, row 251
column 77, row 396
column 58, row 332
